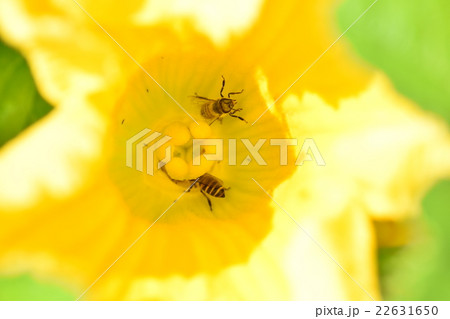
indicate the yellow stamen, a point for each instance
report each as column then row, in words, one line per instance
column 181, row 167
column 177, row 168
column 203, row 130
column 178, row 132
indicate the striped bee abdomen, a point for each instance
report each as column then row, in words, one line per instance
column 211, row 185
column 207, row 183
column 207, row 110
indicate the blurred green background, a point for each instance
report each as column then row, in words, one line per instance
column 410, row 41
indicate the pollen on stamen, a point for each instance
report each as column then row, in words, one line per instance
column 177, row 168
column 178, row 132
column 181, row 165
column 201, row 130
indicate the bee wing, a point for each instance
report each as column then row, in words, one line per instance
column 200, row 100
column 206, row 178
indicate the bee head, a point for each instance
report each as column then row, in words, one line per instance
column 227, row 104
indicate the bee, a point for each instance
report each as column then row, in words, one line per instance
column 207, row 183
column 217, row 109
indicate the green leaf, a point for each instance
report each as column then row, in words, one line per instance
column 410, row 41
column 20, row 103
column 25, row 287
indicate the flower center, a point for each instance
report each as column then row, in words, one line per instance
column 182, row 164
column 218, row 224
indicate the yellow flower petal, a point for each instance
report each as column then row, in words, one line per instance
column 69, row 241
column 288, row 37
column 378, row 146
column 70, row 55
column 287, row 265
column 52, row 159
column 220, row 20
column 368, row 143
column 348, row 241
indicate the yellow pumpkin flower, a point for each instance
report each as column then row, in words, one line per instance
column 73, row 212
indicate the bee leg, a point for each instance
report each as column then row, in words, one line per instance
column 213, row 121
column 207, row 198
column 194, row 183
column 236, row 110
column 231, row 93
column 223, row 85
column 242, row 119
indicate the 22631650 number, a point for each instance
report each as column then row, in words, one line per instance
column 407, row 311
